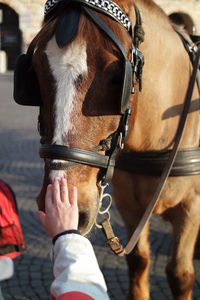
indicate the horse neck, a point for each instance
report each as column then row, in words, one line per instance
column 160, row 88
column 156, row 25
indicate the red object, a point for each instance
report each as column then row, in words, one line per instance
column 74, row 296
column 11, row 236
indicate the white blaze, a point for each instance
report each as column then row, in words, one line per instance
column 66, row 65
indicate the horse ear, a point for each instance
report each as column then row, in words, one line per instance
column 67, row 26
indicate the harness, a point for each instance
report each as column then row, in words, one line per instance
column 132, row 71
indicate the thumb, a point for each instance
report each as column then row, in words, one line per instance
column 42, row 216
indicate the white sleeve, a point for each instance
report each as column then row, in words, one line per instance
column 75, row 268
column 6, row 268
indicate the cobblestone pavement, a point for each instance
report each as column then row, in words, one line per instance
column 22, row 168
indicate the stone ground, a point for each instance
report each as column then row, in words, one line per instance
column 22, row 168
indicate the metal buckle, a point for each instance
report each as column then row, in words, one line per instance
column 125, row 128
column 137, row 61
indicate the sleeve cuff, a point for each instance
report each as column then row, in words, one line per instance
column 76, row 231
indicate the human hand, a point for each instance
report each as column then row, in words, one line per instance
column 61, row 213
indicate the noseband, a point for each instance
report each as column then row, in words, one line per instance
column 132, row 72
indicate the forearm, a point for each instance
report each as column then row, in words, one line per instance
column 76, row 268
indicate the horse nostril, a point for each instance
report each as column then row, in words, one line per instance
column 83, row 219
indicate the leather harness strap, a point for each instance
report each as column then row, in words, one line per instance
column 152, row 163
column 191, row 47
column 113, row 241
column 75, row 155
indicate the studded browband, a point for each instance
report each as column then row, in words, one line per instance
column 108, row 7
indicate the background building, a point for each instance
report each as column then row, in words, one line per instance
column 19, row 22
column 186, row 12
column 21, row 19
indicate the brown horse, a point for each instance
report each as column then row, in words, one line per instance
column 80, row 86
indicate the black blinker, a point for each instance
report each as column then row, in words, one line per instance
column 26, row 86
column 67, row 26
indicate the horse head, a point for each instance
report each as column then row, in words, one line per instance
column 80, row 70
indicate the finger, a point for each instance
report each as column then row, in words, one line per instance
column 64, row 191
column 48, row 197
column 41, row 216
column 56, row 191
column 74, row 196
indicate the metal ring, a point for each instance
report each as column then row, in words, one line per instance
column 121, row 144
column 103, row 186
column 99, row 225
column 105, row 210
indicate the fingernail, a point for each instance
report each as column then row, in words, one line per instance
column 74, row 188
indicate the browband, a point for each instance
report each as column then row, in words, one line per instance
column 104, row 6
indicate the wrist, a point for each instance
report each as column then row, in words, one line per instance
column 70, row 231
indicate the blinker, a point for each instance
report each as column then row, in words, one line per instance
column 26, row 86
column 67, row 26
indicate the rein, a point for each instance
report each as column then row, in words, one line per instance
column 111, row 146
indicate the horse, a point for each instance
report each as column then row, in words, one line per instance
column 80, row 59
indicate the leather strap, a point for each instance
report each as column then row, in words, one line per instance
column 75, row 155
column 106, row 29
column 112, row 240
column 152, row 163
column 127, row 81
column 135, row 237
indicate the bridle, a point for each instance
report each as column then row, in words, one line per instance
column 132, row 73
